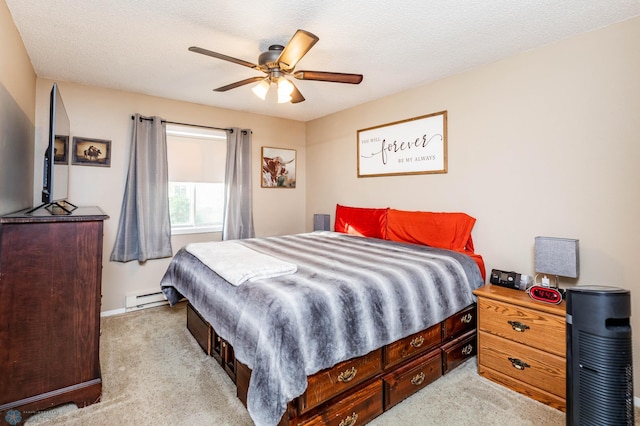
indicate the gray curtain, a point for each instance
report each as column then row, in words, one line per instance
column 238, row 208
column 144, row 230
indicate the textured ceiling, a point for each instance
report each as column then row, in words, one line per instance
column 141, row 46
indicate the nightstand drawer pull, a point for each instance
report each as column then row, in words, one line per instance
column 518, row 326
column 519, row 364
column 466, row 318
column 417, row 342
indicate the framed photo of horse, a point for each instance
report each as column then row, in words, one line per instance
column 278, row 168
column 91, row 152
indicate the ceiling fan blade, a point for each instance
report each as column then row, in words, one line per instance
column 296, row 96
column 335, row 77
column 301, row 42
column 238, row 84
column 223, row 57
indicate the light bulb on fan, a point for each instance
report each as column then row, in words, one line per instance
column 261, row 89
column 285, row 89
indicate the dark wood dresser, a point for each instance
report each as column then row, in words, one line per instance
column 50, row 292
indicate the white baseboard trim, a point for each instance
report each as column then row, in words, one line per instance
column 113, row 312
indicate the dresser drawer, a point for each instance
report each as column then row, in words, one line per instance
column 328, row 383
column 523, row 363
column 460, row 322
column 528, row 326
column 356, row 409
column 411, row 378
column 410, row 346
column 458, row 351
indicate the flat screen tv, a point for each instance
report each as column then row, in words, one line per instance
column 55, row 172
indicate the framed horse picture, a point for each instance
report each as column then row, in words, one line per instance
column 91, row 152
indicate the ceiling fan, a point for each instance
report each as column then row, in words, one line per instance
column 279, row 62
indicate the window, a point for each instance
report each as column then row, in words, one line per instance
column 197, row 158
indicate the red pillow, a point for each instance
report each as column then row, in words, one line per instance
column 361, row 221
column 451, row 231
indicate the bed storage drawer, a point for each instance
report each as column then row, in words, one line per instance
column 458, row 351
column 328, row 383
column 412, row 377
column 403, row 349
column 199, row 328
column 356, row 409
column 460, row 322
column 523, row 363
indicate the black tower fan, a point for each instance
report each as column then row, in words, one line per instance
column 599, row 361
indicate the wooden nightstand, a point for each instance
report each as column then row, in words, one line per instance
column 522, row 343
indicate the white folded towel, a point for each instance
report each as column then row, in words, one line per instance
column 237, row 263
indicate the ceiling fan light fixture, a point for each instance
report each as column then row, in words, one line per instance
column 261, row 89
column 280, row 61
column 285, row 89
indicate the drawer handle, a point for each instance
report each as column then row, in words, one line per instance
column 467, row 349
column 417, row 342
column 347, row 376
column 418, row 379
column 518, row 326
column 350, row 420
column 466, row 318
column 519, row 364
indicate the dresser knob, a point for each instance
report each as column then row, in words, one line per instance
column 417, row 342
column 518, row 326
column 349, row 420
column 418, row 379
column 347, row 375
column 467, row 350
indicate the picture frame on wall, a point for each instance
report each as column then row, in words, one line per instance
column 61, row 150
column 91, row 152
column 414, row 146
column 278, row 167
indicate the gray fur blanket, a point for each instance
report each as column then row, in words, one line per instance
column 349, row 296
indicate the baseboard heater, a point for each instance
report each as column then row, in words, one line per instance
column 143, row 300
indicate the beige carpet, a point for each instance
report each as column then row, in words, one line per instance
column 154, row 373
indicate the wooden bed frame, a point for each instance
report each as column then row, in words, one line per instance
column 362, row 388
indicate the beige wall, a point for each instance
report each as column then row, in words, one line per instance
column 17, row 117
column 545, row 143
column 106, row 114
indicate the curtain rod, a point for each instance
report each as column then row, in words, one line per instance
column 184, row 124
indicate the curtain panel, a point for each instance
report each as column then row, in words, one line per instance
column 144, row 229
column 238, row 208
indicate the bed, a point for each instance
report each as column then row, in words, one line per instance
column 361, row 321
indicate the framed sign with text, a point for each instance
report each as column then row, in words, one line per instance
column 414, row 146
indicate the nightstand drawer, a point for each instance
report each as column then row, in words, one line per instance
column 523, row 363
column 527, row 326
